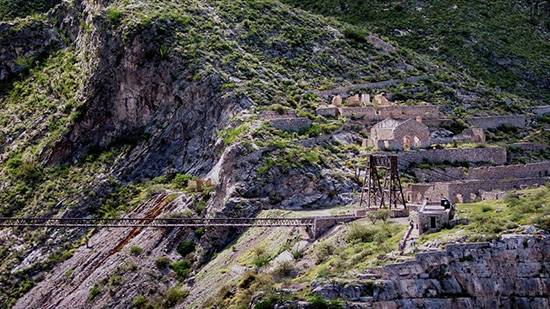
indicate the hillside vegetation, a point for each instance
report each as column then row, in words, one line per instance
column 503, row 43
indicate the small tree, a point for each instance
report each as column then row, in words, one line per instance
column 372, row 216
column 383, row 214
column 185, row 247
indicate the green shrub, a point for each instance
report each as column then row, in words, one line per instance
column 230, row 136
column 543, row 222
column 28, row 170
column 323, row 251
column 199, row 232
column 267, row 302
column 181, row 180
column 284, row 269
column 175, row 295
column 182, row 268
column 381, row 214
column 260, row 257
column 355, row 34
column 164, row 52
column 113, row 15
column 261, row 260
column 360, row 233
column 162, row 262
column 136, row 250
column 200, row 206
column 139, row 302
column 115, row 280
column 185, row 247
column 94, row 292
column 317, row 302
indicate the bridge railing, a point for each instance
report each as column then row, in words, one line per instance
column 156, row 222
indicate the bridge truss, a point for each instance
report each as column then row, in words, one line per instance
column 313, row 225
column 157, row 222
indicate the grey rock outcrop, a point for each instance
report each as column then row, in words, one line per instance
column 23, row 43
column 511, row 272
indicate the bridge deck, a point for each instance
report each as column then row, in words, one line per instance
column 165, row 222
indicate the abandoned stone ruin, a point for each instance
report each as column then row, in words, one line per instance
column 392, row 134
column 414, row 134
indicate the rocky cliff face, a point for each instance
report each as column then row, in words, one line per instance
column 508, row 273
column 21, row 45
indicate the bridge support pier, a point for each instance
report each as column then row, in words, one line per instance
column 322, row 225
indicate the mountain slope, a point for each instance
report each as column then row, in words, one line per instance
column 503, row 43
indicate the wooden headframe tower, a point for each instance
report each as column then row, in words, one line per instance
column 382, row 186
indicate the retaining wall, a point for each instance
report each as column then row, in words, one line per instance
column 291, row 124
column 541, row 110
column 539, row 169
column 400, row 112
column 494, row 155
column 492, row 122
column 463, row 191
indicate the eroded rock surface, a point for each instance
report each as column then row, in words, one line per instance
column 511, row 272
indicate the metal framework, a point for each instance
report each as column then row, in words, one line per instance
column 313, row 225
column 382, row 186
column 158, row 222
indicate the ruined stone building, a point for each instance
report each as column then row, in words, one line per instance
column 469, row 135
column 391, row 134
column 466, row 191
column 380, row 99
column 432, row 217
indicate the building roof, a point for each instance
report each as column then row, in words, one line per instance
column 386, row 128
column 388, row 123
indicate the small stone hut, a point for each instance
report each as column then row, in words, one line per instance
column 433, row 217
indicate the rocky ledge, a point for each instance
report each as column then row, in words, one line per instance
column 511, row 272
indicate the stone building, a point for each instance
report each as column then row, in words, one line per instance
column 381, row 100
column 469, row 135
column 392, row 134
column 432, row 217
column 358, row 100
column 337, row 100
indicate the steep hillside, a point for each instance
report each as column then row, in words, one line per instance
column 503, row 43
column 10, row 9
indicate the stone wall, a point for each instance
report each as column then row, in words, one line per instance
column 373, row 114
column 492, row 122
column 539, row 169
column 509, row 273
column 466, row 190
column 541, row 110
column 266, row 115
column 399, row 112
column 291, row 124
column 494, row 155
column 527, row 146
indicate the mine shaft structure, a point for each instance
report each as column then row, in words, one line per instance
column 382, row 186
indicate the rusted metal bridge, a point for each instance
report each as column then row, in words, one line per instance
column 314, row 225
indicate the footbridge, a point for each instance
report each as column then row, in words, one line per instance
column 315, row 226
